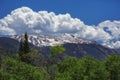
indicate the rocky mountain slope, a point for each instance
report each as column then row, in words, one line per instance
column 9, row 44
column 75, row 46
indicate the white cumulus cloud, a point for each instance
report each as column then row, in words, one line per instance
column 25, row 19
column 113, row 29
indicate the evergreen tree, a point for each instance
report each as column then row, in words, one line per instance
column 24, row 49
column 26, row 44
column 21, row 49
column 0, row 60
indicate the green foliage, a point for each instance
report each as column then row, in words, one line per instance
column 24, row 49
column 68, row 65
column 66, row 69
column 84, row 69
column 88, row 69
column 57, row 50
column 13, row 69
column 112, row 64
column 0, row 61
column 21, row 49
column 52, row 70
column 35, row 58
column 63, row 76
column 57, row 54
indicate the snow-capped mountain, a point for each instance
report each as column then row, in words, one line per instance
column 44, row 40
column 75, row 45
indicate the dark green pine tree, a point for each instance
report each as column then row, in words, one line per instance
column 21, row 49
column 26, row 44
column 0, row 61
column 24, row 49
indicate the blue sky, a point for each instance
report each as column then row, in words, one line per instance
column 97, row 20
column 91, row 12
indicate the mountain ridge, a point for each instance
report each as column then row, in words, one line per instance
column 74, row 45
column 45, row 40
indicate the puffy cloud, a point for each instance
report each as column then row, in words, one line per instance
column 113, row 29
column 25, row 19
column 4, row 29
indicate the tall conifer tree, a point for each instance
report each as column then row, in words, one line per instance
column 24, row 48
column 26, row 44
column 21, row 48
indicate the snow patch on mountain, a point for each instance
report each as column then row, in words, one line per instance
column 44, row 40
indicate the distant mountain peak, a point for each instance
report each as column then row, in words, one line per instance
column 75, row 45
column 44, row 40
